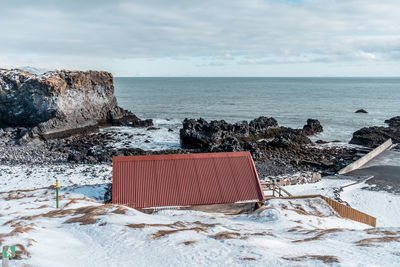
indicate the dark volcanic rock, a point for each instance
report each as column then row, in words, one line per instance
column 375, row 136
column 220, row 136
column 223, row 136
column 280, row 147
column 201, row 134
column 291, row 140
column 394, row 122
column 60, row 103
column 361, row 111
column 312, row 127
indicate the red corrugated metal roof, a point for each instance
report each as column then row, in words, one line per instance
column 185, row 180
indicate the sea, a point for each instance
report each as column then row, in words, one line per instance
column 332, row 101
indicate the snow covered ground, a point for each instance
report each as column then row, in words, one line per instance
column 85, row 232
column 380, row 204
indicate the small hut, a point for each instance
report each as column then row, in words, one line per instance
column 224, row 180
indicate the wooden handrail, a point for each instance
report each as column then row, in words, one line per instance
column 342, row 210
column 274, row 187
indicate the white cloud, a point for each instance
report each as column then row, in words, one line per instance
column 366, row 55
column 89, row 34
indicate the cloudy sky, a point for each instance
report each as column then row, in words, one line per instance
column 204, row 38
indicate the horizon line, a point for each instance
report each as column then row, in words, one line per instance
column 115, row 76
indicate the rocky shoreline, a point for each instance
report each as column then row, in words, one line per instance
column 282, row 154
column 54, row 119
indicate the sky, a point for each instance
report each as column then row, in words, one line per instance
column 177, row 38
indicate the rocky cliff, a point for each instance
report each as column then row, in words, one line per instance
column 60, row 103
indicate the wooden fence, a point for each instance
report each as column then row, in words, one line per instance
column 275, row 189
column 350, row 213
column 343, row 210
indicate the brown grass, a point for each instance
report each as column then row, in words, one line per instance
column 41, row 200
column 21, row 229
column 143, row 225
column 326, row 259
column 88, row 214
column 248, row 259
column 161, row 233
column 30, row 242
column 316, row 212
column 17, row 230
column 72, row 201
column 50, row 214
column 190, row 242
column 377, row 231
column 14, row 196
column 41, row 207
column 227, row 235
column 297, row 221
column 368, row 242
column 75, row 200
column 295, row 229
column 23, row 190
column 300, row 210
column 119, row 210
column 13, row 223
column 137, row 225
column 320, row 234
column 260, row 234
column 205, row 225
column 20, row 250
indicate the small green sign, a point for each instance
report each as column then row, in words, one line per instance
column 8, row 252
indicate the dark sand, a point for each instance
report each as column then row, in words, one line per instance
column 386, row 171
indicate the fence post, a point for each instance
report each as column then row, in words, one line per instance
column 273, row 188
column 57, row 194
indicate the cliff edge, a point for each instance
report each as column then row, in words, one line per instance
column 61, row 103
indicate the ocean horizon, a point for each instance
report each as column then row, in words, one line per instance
column 291, row 100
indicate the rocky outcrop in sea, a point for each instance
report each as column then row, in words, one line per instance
column 274, row 147
column 60, row 103
column 377, row 135
column 217, row 136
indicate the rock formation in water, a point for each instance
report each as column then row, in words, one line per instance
column 267, row 142
column 222, row 136
column 375, row 136
column 60, row 103
column 312, row 127
column 394, row 122
column 210, row 135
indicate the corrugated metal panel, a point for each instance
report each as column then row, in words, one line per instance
column 185, row 180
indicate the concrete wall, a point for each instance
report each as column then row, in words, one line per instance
column 362, row 161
